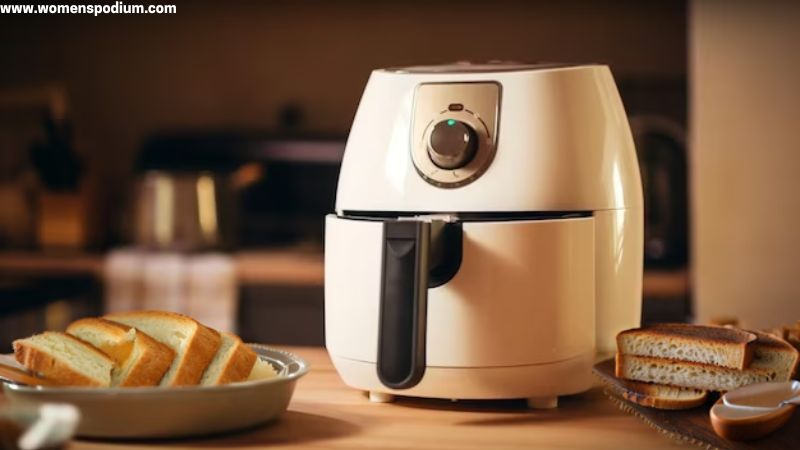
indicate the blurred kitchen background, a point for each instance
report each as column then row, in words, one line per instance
column 186, row 161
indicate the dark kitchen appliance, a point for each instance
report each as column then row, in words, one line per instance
column 661, row 148
column 269, row 190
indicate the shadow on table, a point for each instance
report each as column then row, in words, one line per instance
column 572, row 407
column 290, row 428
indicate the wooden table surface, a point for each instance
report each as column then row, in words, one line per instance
column 324, row 413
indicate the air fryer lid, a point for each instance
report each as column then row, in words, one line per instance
column 553, row 139
column 491, row 66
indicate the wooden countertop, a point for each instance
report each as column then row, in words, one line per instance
column 252, row 267
column 324, row 413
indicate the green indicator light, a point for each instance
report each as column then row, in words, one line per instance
column 451, row 122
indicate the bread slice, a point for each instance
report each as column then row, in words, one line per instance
column 64, row 359
column 233, row 362
column 773, row 353
column 194, row 344
column 141, row 360
column 262, row 370
column 789, row 333
column 719, row 346
column 661, row 396
column 115, row 340
column 687, row 374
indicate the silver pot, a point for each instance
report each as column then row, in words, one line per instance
column 184, row 211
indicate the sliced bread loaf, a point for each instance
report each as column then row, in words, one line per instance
column 773, row 360
column 141, row 360
column 233, row 362
column 64, row 359
column 193, row 343
column 719, row 346
column 661, row 396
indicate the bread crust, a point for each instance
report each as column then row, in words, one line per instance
column 142, row 360
column 199, row 353
column 715, row 333
column 118, row 330
column 772, row 341
column 653, row 395
column 239, row 364
column 151, row 363
column 200, row 347
column 55, row 368
column 151, row 315
column 119, row 351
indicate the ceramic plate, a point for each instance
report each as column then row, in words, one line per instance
column 155, row 412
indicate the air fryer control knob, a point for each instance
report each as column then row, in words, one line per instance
column 452, row 144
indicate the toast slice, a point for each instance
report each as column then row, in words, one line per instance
column 687, row 373
column 712, row 345
column 141, row 360
column 64, row 359
column 193, row 343
column 771, row 352
column 661, row 396
column 233, row 362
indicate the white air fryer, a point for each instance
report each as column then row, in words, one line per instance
column 487, row 239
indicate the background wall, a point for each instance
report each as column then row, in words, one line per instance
column 744, row 74
column 236, row 64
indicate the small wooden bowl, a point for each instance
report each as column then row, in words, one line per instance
column 742, row 425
